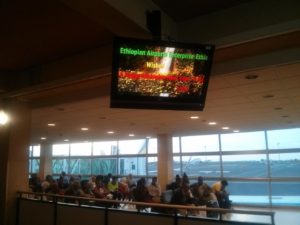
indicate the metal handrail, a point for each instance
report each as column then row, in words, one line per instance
column 148, row 205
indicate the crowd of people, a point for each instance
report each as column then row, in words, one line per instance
column 127, row 188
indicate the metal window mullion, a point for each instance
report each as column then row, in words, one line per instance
column 220, row 156
column 180, row 157
column 269, row 175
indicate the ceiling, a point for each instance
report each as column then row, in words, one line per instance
column 269, row 102
column 35, row 34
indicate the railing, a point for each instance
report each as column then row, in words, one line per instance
column 175, row 211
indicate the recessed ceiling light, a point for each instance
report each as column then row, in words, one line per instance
column 268, row 96
column 43, row 138
column 51, row 124
column 251, row 77
column 278, row 108
column 110, row 132
column 131, row 135
column 66, row 140
column 194, row 117
column 212, row 123
column 225, row 128
column 84, row 128
column 236, row 131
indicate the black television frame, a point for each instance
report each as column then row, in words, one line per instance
column 131, row 100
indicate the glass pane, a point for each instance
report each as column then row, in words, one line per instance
column 203, row 143
column 30, row 162
column 81, row 149
column 132, row 147
column 104, row 166
column 248, row 192
column 245, row 165
column 36, row 151
column 286, row 193
column 105, row 148
column 80, row 166
column 133, row 165
column 60, row 150
column 206, row 166
column 59, row 165
column 243, row 141
column 30, row 151
column 176, row 165
column 282, row 139
column 152, row 146
column 35, row 166
column 285, row 164
column 152, row 166
column 176, row 146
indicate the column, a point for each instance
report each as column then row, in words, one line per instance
column 46, row 160
column 14, row 148
column 165, row 160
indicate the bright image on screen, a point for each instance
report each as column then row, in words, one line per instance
column 161, row 71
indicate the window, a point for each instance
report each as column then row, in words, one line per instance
column 262, row 167
column 133, row 165
column 203, row 143
column 105, row 148
column 206, row 166
column 34, row 159
column 104, row 166
column 286, row 193
column 152, row 166
column 254, row 165
column 81, row 149
column 60, row 150
column 176, row 144
column 284, row 139
column 249, row 192
column 80, row 166
column 59, row 165
column 35, row 151
column 132, row 147
column 285, row 164
column 243, row 141
column 176, row 165
column 152, row 146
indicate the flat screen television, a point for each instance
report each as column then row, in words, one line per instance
column 153, row 74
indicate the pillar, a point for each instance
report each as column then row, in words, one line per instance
column 45, row 160
column 165, row 160
column 14, row 148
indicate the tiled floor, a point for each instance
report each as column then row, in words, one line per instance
column 282, row 216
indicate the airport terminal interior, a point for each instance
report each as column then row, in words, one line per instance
column 59, row 68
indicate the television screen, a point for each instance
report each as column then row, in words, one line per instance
column 154, row 74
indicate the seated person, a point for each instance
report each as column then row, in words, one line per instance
column 141, row 193
column 100, row 191
column 174, row 185
column 219, row 188
column 154, row 190
column 124, row 189
column 198, row 189
column 183, row 196
column 210, row 200
column 113, row 188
